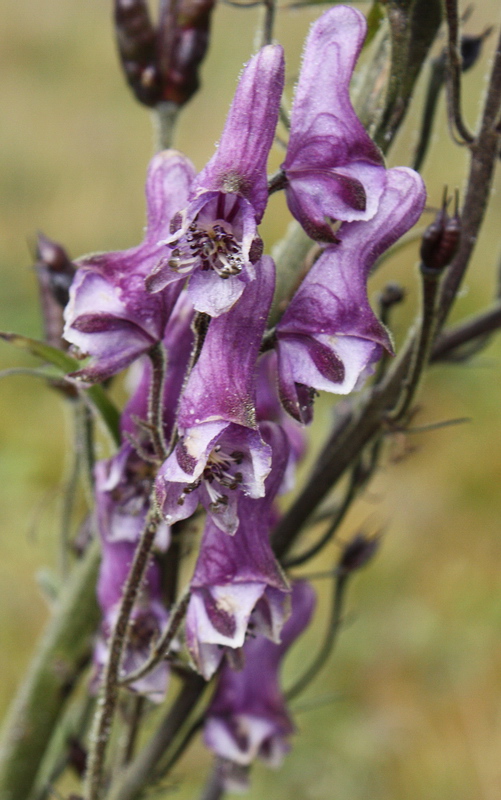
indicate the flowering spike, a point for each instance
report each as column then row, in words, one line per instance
column 329, row 336
column 334, row 170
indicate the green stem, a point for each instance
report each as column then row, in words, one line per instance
column 109, row 693
column 131, row 782
column 329, row 641
column 62, row 652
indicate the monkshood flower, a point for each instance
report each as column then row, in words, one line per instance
column 110, row 316
column 333, row 170
column 148, row 619
column 214, row 241
column 220, row 453
column 248, row 717
column 178, row 342
column 238, row 585
column 123, row 490
column 329, row 337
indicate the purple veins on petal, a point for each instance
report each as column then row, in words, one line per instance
column 110, row 315
column 220, row 453
column 248, row 716
column 238, row 588
column 334, row 171
column 213, row 241
column 329, row 337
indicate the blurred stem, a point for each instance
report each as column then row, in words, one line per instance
column 427, row 326
column 135, row 715
column 269, row 21
column 334, row 624
column 72, row 725
column 435, row 83
column 62, row 653
column 164, row 123
column 478, row 326
column 213, row 789
column 453, row 85
column 338, row 516
column 130, row 783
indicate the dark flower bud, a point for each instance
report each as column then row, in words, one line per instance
column 161, row 63
column 55, row 274
column 471, row 47
column 77, row 756
column 392, row 294
column 358, row 553
column 441, row 239
column 182, row 45
column 137, row 47
column 53, row 259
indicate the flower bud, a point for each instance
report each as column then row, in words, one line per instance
column 358, row 553
column 161, row 63
column 136, row 40
column 441, row 239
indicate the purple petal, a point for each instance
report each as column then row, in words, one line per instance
column 222, row 383
column 239, row 164
column 322, row 107
column 168, row 184
column 329, row 334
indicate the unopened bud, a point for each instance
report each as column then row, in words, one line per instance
column 358, row 553
column 441, row 239
column 182, row 48
column 137, row 47
column 471, row 48
column 161, row 63
column 53, row 259
column 392, row 294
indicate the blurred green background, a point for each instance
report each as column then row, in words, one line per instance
column 410, row 704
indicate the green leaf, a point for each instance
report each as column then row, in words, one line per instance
column 64, row 364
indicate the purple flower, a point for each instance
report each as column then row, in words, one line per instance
column 123, row 490
column 248, row 716
column 334, row 171
column 110, row 316
column 147, row 622
column 220, row 449
column 329, row 336
column 237, row 584
column 214, row 241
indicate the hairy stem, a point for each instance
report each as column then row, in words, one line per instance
column 109, row 690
